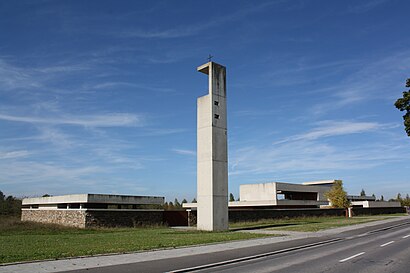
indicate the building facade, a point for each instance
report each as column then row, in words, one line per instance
column 92, row 210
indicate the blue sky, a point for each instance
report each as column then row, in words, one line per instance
column 100, row 96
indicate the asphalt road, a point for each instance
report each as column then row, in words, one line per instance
column 387, row 251
column 382, row 248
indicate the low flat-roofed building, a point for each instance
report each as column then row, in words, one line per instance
column 87, row 210
column 280, row 195
column 277, row 195
column 371, row 202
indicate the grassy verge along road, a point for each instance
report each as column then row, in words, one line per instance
column 309, row 224
column 29, row 241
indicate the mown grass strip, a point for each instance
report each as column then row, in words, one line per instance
column 308, row 224
column 29, row 241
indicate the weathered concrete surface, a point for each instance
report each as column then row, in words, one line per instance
column 94, row 198
column 212, row 151
column 269, row 191
column 377, row 204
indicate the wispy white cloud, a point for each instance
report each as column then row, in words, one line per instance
column 297, row 71
column 161, row 131
column 366, row 6
column 380, row 79
column 184, row 152
column 28, row 172
column 254, row 113
column 193, row 29
column 14, row 154
column 14, row 77
column 55, row 137
column 305, row 153
column 331, row 128
column 116, row 85
column 307, row 156
column 63, row 68
column 102, row 120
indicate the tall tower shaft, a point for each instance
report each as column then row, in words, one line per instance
column 212, row 152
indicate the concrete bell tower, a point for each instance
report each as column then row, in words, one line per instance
column 212, row 152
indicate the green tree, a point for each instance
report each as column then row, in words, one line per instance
column 337, row 195
column 382, row 198
column 184, row 201
column 2, row 203
column 9, row 205
column 194, row 200
column 177, row 205
column 403, row 104
column 362, row 193
column 171, row 206
column 231, row 197
column 406, row 202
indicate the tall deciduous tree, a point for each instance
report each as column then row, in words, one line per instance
column 337, row 195
column 231, row 197
column 403, row 104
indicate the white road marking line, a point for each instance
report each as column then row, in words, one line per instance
column 404, row 237
column 387, row 243
column 351, row 257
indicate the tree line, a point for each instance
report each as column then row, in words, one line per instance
column 178, row 205
column 404, row 201
column 9, row 205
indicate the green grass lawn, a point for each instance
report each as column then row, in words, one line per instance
column 21, row 241
column 28, row 241
column 310, row 224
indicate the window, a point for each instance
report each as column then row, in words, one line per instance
column 216, row 116
column 216, row 103
column 61, row 206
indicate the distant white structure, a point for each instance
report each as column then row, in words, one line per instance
column 288, row 195
column 308, row 194
column 370, row 202
column 212, row 152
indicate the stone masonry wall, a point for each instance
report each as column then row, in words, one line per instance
column 96, row 218
column 70, row 218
